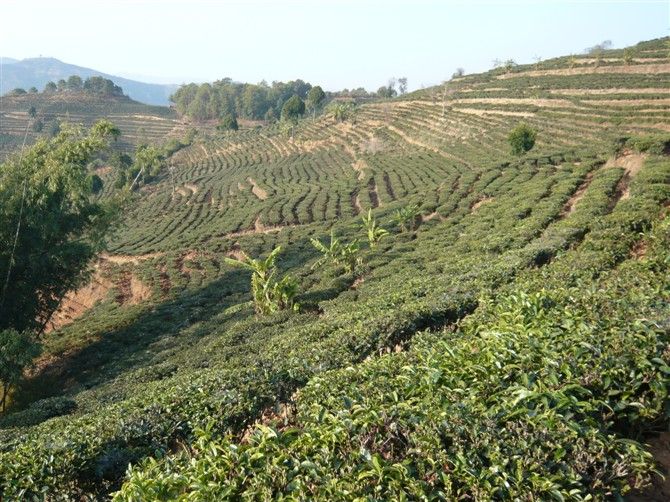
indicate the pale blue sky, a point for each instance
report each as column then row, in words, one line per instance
column 337, row 44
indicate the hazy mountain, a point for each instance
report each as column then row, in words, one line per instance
column 36, row 72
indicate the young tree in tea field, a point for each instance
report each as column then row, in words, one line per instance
column 522, row 139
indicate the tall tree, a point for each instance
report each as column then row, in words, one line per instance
column 293, row 109
column 50, row 226
column 315, row 98
column 149, row 161
column 199, row 107
column 386, row 91
column 402, row 85
column 254, row 99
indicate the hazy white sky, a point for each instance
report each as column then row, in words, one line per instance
column 336, row 43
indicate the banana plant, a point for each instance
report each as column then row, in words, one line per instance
column 338, row 253
column 350, row 256
column 406, row 218
column 328, row 253
column 375, row 232
column 269, row 294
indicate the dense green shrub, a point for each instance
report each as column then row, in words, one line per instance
column 530, row 396
column 522, row 139
column 39, row 411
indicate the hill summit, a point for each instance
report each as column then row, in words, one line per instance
column 36, row 72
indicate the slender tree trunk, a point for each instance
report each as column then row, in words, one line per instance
column 136, row 178
column 5, row 390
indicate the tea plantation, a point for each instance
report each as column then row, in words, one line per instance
column 138, row 122
column 507, row 339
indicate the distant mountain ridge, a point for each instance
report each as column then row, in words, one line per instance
column 36, row 72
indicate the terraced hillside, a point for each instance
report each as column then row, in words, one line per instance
column 137, row 122
column 515, row 345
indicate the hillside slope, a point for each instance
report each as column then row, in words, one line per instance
column 36, row 72
column 515, row 344
column 137, row 122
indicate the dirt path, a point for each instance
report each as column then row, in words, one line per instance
column 257, row 191
column 359, row 166
column 546, row 103
column 570, row 205
column 630, row 102
column 432, row 216
column 631, row 163
column 121, row 259
column 259, row 228
column 480, row 203
column 645, row 69
column 482, row 113
column 191, row 187
column 355, row 202
column 613, row 90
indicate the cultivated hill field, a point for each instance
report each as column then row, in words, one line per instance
column 138, row 122
column 510, row 340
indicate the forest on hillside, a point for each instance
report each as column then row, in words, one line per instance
column 263, row 101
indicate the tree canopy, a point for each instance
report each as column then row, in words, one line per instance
column 92, row 85
column 522, row 139
column 149, row 161
column 102, row 86
column 293, row 109
column 225, row 97
column 50, row 226
column 315, row 98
